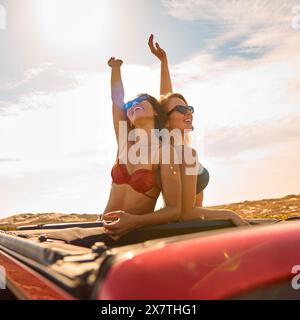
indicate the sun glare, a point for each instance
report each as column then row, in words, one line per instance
column 69, row 23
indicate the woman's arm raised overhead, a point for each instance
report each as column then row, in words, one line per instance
column 117, row 94
column 165, row 78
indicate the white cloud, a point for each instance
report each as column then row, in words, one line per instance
column 231, row 11
column 257, row 27
column 70, row 148
column 235, row 92
column 261, row 138
column 35, row 89
column 65, row 152
column 242, row 105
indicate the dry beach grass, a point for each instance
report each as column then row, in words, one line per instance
column 281, row 208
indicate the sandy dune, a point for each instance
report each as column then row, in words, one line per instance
column 281, row 208
column 43, row 218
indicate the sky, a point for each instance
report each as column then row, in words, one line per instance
column 236, row 61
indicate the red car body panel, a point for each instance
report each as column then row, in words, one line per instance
column 28, row 284
column 215, row 266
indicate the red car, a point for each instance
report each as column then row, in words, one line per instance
column 186, row 260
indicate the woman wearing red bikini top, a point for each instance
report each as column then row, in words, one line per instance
column 136, row 186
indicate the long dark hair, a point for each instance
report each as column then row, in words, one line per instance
column 161, row 118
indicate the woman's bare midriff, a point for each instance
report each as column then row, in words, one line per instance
column 123, row 197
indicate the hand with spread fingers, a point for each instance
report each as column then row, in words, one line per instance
column 156, row 49
column 122, row 223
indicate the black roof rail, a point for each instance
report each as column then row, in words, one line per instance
column 61, row 226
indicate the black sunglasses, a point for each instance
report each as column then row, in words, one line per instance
column 182, row 109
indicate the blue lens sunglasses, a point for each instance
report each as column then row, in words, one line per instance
column 130, row 103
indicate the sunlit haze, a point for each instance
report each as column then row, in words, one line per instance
column 236, row 62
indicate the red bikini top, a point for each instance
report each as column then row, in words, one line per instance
column 141, row 180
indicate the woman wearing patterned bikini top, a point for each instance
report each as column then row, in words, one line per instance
column 136, row 187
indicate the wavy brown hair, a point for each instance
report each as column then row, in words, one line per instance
column 165, row 99
column 161, row 118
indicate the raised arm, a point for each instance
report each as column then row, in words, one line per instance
column 117, row 94
column 165, row 78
